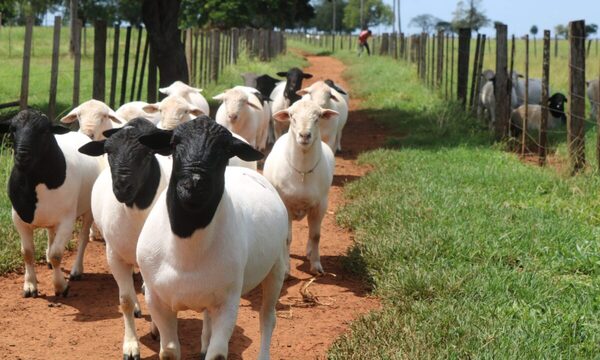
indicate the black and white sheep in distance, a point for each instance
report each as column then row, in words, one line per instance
column 556, row 115
column 301, row 167
column 285, row 94
column 122, row 198
column 215, row 233
column 49, row 187
column 263, row 83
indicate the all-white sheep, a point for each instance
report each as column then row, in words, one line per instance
column 94, row 118
column 135, row 109
column 488, row 100
column 122, row 198
column 49, row 187
column 216, row 233
column 190, row 94
column 173, row 110
column 301, row 167
column 243, row 113
column 329, row 98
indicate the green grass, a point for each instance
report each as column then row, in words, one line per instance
column 473, row 253
column 10, row 257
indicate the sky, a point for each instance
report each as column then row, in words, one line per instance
column 519, row 15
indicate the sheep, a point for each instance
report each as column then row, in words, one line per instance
column 556, row 112
column 190, row 94
column 94, row 118
column 301, row 167
column 134, row 109
column 214, row 234
column 173, row 110
column 263, row 83
column 339, row 89
column 284, row 95
column 488, row 100
column 534, row 90
column 122, row 198
column 329, row 98
column 49, row 186
column 592, row 93
column 242, row 113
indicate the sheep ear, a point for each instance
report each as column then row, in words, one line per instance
column 159, row 141
column 110, row 132
column 335, row 98
column 198, row 90
column 115, row 118
column 282, row 74
column 254, row 102
column 244, row 151
column 70, row 117
column 329, row 114
column 220, row 97
column 151, row 108
column 59, row 130
column 93, row 148
column 282, row 115
column 306, row 76
column 195, row 111
column 302, row 92
column 164, row 91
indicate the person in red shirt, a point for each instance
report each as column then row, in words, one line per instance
column 362, row 42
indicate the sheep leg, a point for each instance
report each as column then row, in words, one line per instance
column 271, row 288
column 28, row 252
column 338, row 141
column 222, row 323
column 288, row 243
column 165, row 320
column 63, row 235
column 315, row 218
column 127, row 299
column 77, row 269
column 206, row 332
column 51, row 232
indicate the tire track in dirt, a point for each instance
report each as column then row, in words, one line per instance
column 88, row 323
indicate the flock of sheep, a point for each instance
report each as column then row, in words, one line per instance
column 177, row 194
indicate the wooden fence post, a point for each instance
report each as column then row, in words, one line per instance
column 151, row 92
column 478, row 49
column 501, row 90
column 440, row 58
column 526, row 101
column 136, row 63
column 54, row 71
column 188, row 53
column 195, row 58
column 545, row 88
column 464, row 45
column 235, row 47
column 26, row 61
column 452, row 68
column 76, row 62
column 432, row 61
column 422, row 56
column 125, row 66
column 143, row 67
column 115, row 67
column 383, row 49
column 478, row 79
column 215, row 52
column 98, row 92
column 447, row 56
column 576, row 117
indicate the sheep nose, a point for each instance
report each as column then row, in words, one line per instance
column 233, row 117
column 305, row 136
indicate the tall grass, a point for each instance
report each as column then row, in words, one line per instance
column 473, row 253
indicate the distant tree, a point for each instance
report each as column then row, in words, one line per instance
column 469, row 15
column 90, row 10
column 375, row 13
column 283, row 14
column 590, row 29
column 426, row 22
column 561, row 31
column 19, row 10
column 444, row 26
column 324, row 16
column 534, row 31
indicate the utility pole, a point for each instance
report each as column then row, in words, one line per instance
column 394, row 19
column 399, row 19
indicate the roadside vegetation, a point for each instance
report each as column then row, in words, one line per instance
column 474, row 253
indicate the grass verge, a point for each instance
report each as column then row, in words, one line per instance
column 473, row 253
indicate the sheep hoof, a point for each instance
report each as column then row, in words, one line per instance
column 75, row 277
column 64, row 293
column 49, row 265
column 131, row 357
column 30, row 293
column 154, row 333
column 137, row 313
